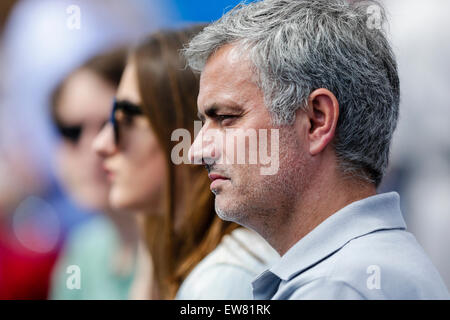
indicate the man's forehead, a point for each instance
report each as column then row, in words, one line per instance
column 227, row 62
column 225, row 76
column 231, row 54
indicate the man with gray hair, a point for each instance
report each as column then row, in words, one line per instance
column 322, row 74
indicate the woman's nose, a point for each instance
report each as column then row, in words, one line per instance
column 103, row 143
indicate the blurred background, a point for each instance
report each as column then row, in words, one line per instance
column 40, row 44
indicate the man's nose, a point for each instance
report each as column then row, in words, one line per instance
column 206, row 147
column 103, row 143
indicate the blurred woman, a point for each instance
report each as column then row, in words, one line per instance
column 103, row 248
column 157, row 95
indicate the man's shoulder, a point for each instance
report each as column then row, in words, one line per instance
column 386, row 264
column 390, row 249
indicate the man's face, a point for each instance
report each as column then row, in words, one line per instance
column 229, row 100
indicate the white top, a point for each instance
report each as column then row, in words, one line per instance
column 228, row 271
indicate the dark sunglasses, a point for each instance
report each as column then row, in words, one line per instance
column 69, row 133
column 128, row 109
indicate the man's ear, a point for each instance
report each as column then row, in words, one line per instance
column 323, row 114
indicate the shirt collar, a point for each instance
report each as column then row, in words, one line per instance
column 357, row 219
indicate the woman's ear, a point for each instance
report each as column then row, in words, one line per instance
column 323, row 114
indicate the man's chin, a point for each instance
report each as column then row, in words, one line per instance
column 225, row 215
column 218, row 186
column 227, row 211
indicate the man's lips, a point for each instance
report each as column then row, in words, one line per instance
column 216, row 179
column 215, row 176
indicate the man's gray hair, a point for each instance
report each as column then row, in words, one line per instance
column 297, row 46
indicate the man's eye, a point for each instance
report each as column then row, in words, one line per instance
column 225, row 119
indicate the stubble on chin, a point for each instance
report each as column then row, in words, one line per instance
column 244, row 200
column 260, row 202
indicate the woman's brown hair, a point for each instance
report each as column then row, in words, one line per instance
column 189, row 228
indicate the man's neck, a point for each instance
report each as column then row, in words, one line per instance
column 317, row 204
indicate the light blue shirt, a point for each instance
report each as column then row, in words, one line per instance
column 363, row 251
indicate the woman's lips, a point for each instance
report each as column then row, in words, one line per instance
column 109, row 173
